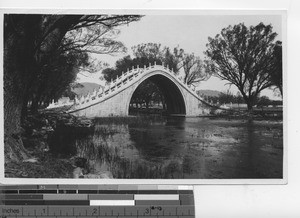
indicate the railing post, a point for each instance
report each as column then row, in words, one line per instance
column 154, row 63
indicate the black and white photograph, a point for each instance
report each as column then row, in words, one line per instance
column 144, row 96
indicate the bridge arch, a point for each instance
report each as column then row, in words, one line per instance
column 114, row 98
column 175, row 100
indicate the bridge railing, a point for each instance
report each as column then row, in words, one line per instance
column 123, row 81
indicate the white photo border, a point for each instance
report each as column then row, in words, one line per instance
column 282, row 13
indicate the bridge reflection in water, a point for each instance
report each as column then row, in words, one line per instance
column 161, row 147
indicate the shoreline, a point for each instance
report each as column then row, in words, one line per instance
column 39, row 128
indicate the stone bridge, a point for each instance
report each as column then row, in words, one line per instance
column 114, row 98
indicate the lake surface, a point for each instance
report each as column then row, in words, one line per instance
column 180, row 148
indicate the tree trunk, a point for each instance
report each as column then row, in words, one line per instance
column 249, row 106
column 164, row 105
column 24, row 111
column 281, row 91
column 13, row 146
column 21, row 61
column 34, row 105
column 13, row 104
column 18, row 68
column 249, row 103
column 35, row 102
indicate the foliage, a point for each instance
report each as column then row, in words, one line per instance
column 146, row 92
column 145, row 54
column 244, row 57
column 59, row 70
column 224, row 98
column 194, row 69
column 153, row 52
column 276, row 75
column 263, row 101
column 33, row 45
column 150, row 53
column 227, row 98
column 56, row 77
column 176, row 59
column 98, row 39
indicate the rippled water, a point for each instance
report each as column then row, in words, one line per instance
column 182, row 148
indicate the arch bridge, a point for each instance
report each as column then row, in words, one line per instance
column 114, row 99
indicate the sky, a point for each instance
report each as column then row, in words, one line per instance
column 189, row 32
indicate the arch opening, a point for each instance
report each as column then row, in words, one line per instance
column 157, row 94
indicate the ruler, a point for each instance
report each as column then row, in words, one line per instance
column 103, row 201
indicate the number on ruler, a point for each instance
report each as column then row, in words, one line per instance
column 156, row 208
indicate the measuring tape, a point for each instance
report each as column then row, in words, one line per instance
column 103, row 201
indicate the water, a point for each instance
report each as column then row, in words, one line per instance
column 181, row 148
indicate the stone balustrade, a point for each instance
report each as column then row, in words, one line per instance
column 121, row 82
column 60, row 103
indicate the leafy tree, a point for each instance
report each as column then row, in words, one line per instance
column 29, row 41
column 192, row 66
column 146, row 92
column 244, row 57
column 173, row 59
column 110, row 73
column 61, row 67
column 97, row 39
column 144, row 54
column 194, row 71
column 276, row 74
column 263, row 101
column 122, row 65
column 56, row 77
column 239, row 98
column 225, row 98
column 153, row 52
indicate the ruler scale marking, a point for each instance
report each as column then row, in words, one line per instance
column 46, row 201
